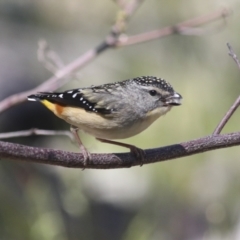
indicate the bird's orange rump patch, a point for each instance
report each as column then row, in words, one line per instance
column 59, row 109
column 55, row 108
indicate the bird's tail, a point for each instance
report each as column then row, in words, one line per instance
column 46, row 98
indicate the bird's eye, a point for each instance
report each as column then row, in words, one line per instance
column 153, row 92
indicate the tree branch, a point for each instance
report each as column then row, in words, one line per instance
column 118, row 160
column 236, row 104
column 34, row 131
column 50, row 59
column 184, row 28
column 232, row 54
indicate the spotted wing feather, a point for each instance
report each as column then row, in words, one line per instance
column 83, row 98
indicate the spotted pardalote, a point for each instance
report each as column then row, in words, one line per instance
column 112, row 111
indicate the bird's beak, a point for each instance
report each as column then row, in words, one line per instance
column 174, row 100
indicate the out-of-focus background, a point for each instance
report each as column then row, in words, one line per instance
column 196, row 197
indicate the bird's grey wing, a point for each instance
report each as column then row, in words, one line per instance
column 93, row 99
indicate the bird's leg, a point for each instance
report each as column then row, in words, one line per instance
column 86, row 154
column 138, row 152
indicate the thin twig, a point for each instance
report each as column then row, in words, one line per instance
column 119, row 160
column 227, row 116
column 233, row 55
column 51, row 61
column 180, row 28
column 236, row 104
column 123, row 16
column 48, row 57
column 34, row 131
column 131, row 7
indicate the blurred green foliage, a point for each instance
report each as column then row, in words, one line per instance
column 192, row 198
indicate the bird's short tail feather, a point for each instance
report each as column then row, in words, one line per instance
column 34, row 97
column 40, row 96
column 46, row 98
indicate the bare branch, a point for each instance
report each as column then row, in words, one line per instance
column 236, row 104
column 233, row 55
column 123, row 16
column 54, row 82
column 131, row 7
column 186, row 27
column 227, row 116
column 119, row 160
column 34, row 131
column 48, row 57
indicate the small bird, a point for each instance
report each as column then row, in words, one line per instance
column 112, row 111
